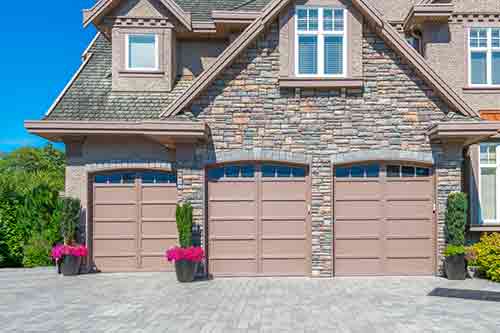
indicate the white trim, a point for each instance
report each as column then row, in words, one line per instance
column 91, row 44
column 321, row 34
column 127, row 55
column 69, row 84
column 489, row 49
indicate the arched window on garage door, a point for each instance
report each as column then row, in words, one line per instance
column 133, row 219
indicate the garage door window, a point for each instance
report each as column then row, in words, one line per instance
column 147, row 177
column 282, row 171
column 407, row 171
column 232, row 171
column 358, row 171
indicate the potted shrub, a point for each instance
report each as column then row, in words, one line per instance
column 455, row 220
column 471, row 259
column 68, row 256
column 186, row 257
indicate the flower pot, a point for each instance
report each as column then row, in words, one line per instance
column 455, row 267
column 473, row 272
column 185, row 270
column 71, row 265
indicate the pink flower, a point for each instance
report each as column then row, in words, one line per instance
column 60, row 250
column 194, row 254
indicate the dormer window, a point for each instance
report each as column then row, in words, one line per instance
column 484, row 57
column 321, row 42
column 142, row 52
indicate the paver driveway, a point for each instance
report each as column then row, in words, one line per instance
column 40, row 301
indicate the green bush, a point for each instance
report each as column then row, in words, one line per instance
column 184, row 220
column 70, row 210
column 488, row 255
column 37, row 252
column 454, row 250
column 456, row 218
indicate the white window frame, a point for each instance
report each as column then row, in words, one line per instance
column 321, row 34
column 496, row 165
column 127, row 54
column 489, row 49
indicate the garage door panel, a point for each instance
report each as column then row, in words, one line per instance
column 360, row 228
column 232, row 267
column 283, row 209
column 408, row 209
column 128, row 211
column 409, row 228
column 359, row 189
column 286, row 228
column 156, row 263
column 157, row 245
column 116, row 264
column 358, row 247
column 115, row 246
column 110, row 193
column 115, row 228
column 158, row 211
column 159, row 228
column 284, row 190
column 346, row 210
column 233, row 248
column 344, row 266
column 420, row 188
column 283, row 248
column 288, row 267
column 163, row 193
column 409, row 266
column 232, row 190
column 409, row 248
column 232, row 228
column 231, row 209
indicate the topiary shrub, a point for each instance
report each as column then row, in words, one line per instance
column 456, row 218
column 69, row 214
column 184, row 220
column 488, row 255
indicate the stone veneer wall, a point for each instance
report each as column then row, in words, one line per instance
column 246, row 109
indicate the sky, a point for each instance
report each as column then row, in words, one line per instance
column 42, row 46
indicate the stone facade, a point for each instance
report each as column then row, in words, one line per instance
column 246, row 110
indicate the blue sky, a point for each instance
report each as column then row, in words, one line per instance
column 43, row 42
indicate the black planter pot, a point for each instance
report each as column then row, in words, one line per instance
column 455, row 267
column 185, row 270
column 71, row 265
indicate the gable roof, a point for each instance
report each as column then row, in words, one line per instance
column 272, row 10
column 103, row 6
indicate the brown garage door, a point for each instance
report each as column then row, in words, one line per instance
column 258, row 222
column 384, row 220
column 134, row 220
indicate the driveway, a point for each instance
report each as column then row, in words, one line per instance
column 40, row 301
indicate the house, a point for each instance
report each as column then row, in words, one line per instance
column 313, row 137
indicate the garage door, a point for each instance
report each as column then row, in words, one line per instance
column 258, row 221
column 384, row 220
column 134, row 220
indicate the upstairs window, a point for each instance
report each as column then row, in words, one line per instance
column 142, row 52
column 484, row 56
column 320, row 41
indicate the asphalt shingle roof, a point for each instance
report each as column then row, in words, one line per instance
column 201, row 9
column 90, row 96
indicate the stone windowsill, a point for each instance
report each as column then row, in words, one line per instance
column 128, row 73
column 481, row 90
column 312, row 82
column 485, row 227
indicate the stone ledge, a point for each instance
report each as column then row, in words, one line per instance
column 258, row 154
column 383, row 155
column 128, row 164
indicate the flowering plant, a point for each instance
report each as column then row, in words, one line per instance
column 61, row 250
column 194, row 254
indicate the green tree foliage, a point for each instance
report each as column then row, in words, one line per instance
column 184, row 219
column 30, row 210
column 456, row 218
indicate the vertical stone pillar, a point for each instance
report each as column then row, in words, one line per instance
column 449, row 178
